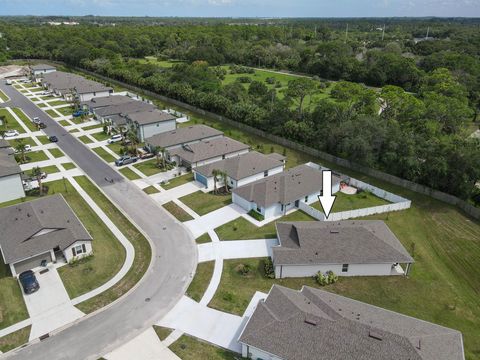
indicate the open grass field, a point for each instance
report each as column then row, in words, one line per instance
column 65, row 110
column 9, row 122
column 104, row 154
column 140, row 243
column 177, row 211
column 241, row 229
column 15, row 339
column 203, row 203
column 129, row 173
column 200, row 281
column 177, row 181
column 189, row 348
column 344, row 202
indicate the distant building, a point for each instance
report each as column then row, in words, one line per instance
column 39, row 70
column 11, row 186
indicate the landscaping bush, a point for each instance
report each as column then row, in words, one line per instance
column 268, row 269
column 239, row 69
column 256, row 215
column 244, row 269
column 270, row 80
column 326, row 279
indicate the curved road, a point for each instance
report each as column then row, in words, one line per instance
column 174, row 258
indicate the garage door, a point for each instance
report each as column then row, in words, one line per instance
column 32, row 262
column 201, row 179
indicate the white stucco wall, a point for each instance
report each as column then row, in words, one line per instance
column 11, row 188
column 68, row 251
column 90, row 96
column 285, row 271
column 145, row 131
column 257, row 354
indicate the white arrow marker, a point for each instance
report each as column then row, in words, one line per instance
column 327, row 199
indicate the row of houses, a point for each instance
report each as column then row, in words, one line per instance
column 10, row 174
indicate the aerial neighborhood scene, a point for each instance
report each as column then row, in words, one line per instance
column 227, row 180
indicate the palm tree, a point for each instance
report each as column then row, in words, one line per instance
column 37, row 173
column 158, row 150
column 224, row 176
column 20, row 147
column 215, row 173
column 132, row 136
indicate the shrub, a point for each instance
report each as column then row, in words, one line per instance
column 244, row 79
column 256, row 215
column 332, row 278
column 268, row 268
column 326, row 279
column 270, row 80
column 321, row 279
column 244, row 269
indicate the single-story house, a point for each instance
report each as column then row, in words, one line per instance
column 206, row 152
column 183, row 136
column 151, row 122
column 311, row 324
column 348, row 248
column 38, row 70
column 37, row 232
column 11, row 186
column 240, row 169
column 275, row 195
column 101, row 102
column 115, row 114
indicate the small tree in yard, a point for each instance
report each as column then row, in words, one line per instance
column 20, row 147
column 132, row 136
column 215, row 174
column 37, row 174
column 224, row 176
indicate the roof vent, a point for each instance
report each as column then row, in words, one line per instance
column 375, row 335
column 418, row 345
column 310, row 320
column 334, row 231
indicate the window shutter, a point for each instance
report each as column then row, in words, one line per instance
column 84, row 248
column 74, row 252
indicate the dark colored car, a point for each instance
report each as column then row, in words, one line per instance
column 53, row 138
column 124, row 160
column 29, row 282
column 41, row 125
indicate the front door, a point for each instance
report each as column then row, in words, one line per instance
column 297, row 203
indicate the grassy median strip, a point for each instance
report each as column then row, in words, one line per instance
column 15, row 339
column 200, row 282
column 104, row 154
column 189, row 348
column 177, row 211
column 140, row 243
column 129, row 173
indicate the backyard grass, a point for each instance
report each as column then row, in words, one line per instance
column 177, row 211
column 56, row 152
column 19, row 112
column 3, row 96
column 85, row 139
column 129, row 173
column 139, row 242
column 200, row 281
column 12, row 306
column 150, row 190
column 203, row 203
column 162, row 332
column 33, row 156
column 10, row 122
column 177, row 181
column 189, row 348
column 104, row 154
column 15, row 339
column 100, row 136
column 52, row 113
column 148, row 167
column 344, row 202
column 202, row 239
column 43, row 139
column 241, row 229
column 68, row 165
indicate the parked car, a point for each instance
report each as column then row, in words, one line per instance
column 36, row 120
column 29, row 282
column 126, row 159
column 11, row 133
column 8, row 82
column 114, row 139
column 53, row 138
column 27, row 148
column 79, row 113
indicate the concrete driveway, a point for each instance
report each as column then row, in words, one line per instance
column 177, row 192
column 237, row 249
column 50, row 307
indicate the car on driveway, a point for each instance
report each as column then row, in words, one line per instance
column 29, row 282
column 11, row 133
column 53, row 138
column 125, row 160
column 114, row 139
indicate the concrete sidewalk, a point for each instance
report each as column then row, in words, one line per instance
column 177, row 192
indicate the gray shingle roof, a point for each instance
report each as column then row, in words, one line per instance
column 124, row 108
column 183, row 136
column 8, row 165
column 208, row 149
column 285, row 187
column 150, row 117
column 99, row 102
column 241, row 166
column 19, row 223
column 64, row 82
column 315, row 324
column 338, row 242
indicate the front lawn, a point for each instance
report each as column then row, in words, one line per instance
column 189, row 348
column 100, row 136
column 10, row 123
column 140, row 243
column 65, row 111
column 104, row 154
column 19, row 112
column 344, row 202
column 52, row 113
column 177, row 211
column 40, row 105
column 150, row 167
column 85, row 139
column 66, row 123
column 241, row 229
column 52, row 169
column 12, row 306
column 25, row 140
column 15, row 339
column 177, row 181
column 56, row 152
column 200, row 281
column 129, row 173
column 68, row 165
column 32, row 156
column 150, row 190
column 43, row 139
column 90, row 127
column 203, row 203
column 57, row 103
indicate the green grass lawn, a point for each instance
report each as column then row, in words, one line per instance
column 41, row 105
column 177, row 211
column 52, row 113
column 162, row 332
column 34, row 99
column 100, row 136
column 25, row 119
column 76, row 120
column 52, row 169
column 129, row 173
column 202, row 239
column 56, row 152
column 3, row 96
column 149, row 167
column 116, row 148
column 203, row 203
column 57, row 103
column 68, row 165
column 139, row 242
column 90, row 127
column 104, row 154
column 12, row 306
column 35, row 90
column 161, row 63
column 150, row 190
column 15, row 339
column 85, row 139
column 66, row 123
column 10, row 122
column 66, row 111
column 25, row 140
column 46, row 97
column 200, row 281
column 32, row 156
column 241, row 229
column 344, row 202
column 177, row 181
column 189, row 348
column 43, row 139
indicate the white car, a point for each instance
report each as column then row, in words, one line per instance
column 11, row 133
column 8, row 82
column 114, row 139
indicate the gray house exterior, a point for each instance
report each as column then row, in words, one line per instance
column 11, row 186
column 151, row 122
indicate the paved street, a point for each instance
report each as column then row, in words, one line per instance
column 174, row 257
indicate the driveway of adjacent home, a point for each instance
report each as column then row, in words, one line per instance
column 50, row 307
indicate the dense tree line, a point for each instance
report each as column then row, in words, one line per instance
column 428, row 91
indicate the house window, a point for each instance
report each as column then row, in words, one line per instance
column 265, row 173
column 79, row 249
column 345, row 268
column 259, row 210
column 281, row 208
column 306, row 198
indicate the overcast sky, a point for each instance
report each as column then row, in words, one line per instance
column 244, row 8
